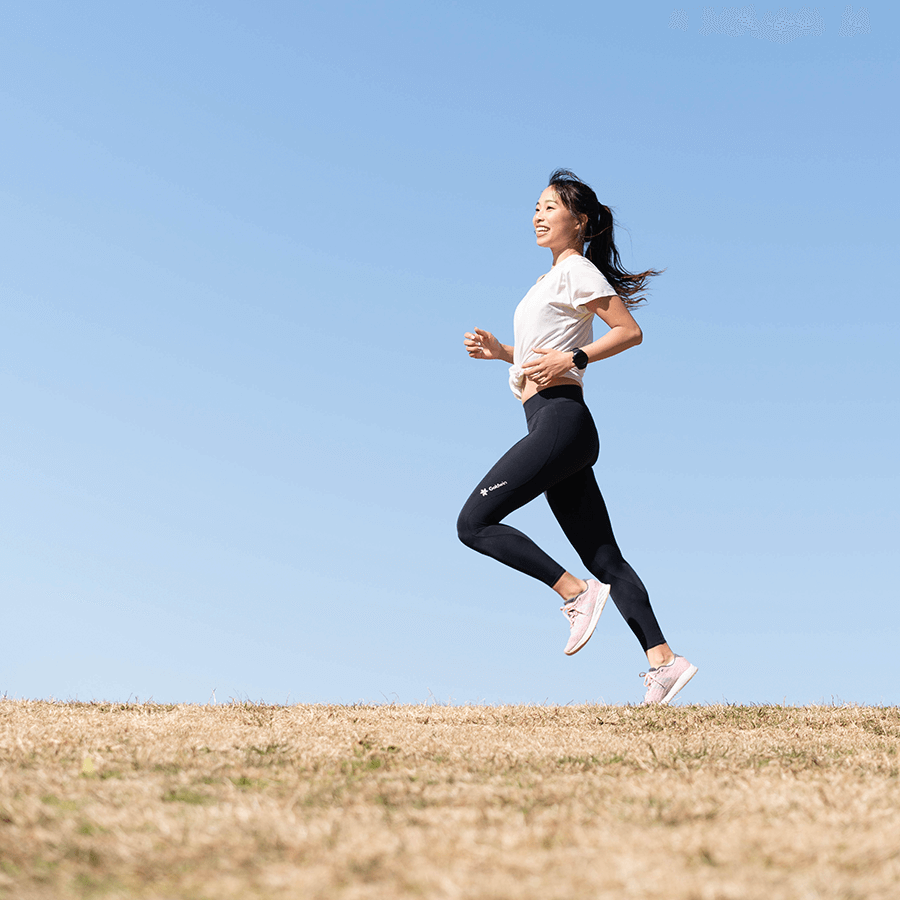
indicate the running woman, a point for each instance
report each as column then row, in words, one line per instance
column 554, row 343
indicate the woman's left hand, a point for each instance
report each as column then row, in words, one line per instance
column 551, row 365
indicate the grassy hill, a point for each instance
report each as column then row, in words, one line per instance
column 145, row 800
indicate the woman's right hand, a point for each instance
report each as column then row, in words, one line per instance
column 483, row 345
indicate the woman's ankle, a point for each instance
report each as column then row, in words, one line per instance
column 660, row 655
column 569, row 587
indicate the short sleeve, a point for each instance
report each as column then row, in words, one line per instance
column 586, row 283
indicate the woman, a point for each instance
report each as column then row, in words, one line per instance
column 553, row 346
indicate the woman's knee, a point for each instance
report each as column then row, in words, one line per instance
column 466, row 529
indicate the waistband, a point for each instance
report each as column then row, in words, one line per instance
column 547, row 395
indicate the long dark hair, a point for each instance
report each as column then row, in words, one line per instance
column 580, row 200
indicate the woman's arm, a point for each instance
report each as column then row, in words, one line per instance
column 483, row 345
column 623, row 333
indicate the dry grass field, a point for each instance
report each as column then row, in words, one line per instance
column 254, row 801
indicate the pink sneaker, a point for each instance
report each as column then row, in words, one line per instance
column 583, row 613
column 664, row 682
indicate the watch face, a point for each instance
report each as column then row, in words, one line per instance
column 579, row 357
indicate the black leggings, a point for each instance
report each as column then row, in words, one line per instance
column 555, row 458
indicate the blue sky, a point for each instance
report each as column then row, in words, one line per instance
column 240, row 245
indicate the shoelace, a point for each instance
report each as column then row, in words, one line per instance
column 571, row 611
column 649, row 678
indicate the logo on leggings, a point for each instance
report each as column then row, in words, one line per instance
column 493, row 487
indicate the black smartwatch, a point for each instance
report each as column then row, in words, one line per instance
column 579, row 358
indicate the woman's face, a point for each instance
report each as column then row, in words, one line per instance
column 554, row 226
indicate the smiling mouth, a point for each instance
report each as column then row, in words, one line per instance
column 541, row 230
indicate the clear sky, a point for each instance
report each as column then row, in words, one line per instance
column 241, row 243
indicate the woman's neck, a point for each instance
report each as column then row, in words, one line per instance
column 565, row 254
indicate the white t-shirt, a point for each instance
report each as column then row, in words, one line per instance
column 553, row 315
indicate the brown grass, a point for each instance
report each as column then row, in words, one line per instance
column 254, row 801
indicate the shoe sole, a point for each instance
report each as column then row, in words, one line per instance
column 682, row 680
column 595, row 617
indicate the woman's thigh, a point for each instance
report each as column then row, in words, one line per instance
column 562, row 441
column 517, row 478
column 580, row 509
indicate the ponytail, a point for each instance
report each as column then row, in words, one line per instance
column 598, row 235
